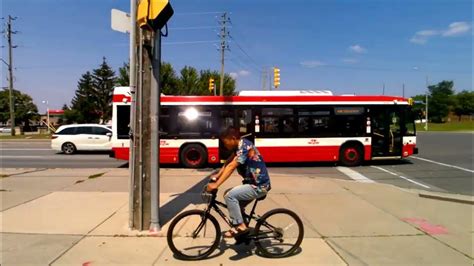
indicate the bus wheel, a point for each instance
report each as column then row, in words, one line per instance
column 351, row 155
column 194, row 156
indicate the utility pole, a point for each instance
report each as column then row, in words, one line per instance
column 383, row 89
column 403, row 90
column 224, row 46
column 151, row 17
column 264, row 78
column 10, row 73
column 133, row 90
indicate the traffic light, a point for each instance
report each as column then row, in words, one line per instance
column 153, row 14
column 211, row 84
column 276, row 77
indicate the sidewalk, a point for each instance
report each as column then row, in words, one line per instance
column 63, row 217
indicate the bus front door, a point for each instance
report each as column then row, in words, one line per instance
column 386, row 134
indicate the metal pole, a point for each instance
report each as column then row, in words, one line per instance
column 223, row 36
column 10, row 70
column 47, row 117
column 133, row 86
column 155, row 136
column 403, row 90
column 141, row 174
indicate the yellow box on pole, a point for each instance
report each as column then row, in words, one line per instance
column 153, row 14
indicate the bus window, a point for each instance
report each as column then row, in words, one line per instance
column 195, row 122
column 303, row 124
column 165, row 120
column 314, row 123
column 278, row 121
column 409, row 117
column 123, row 124
column 350, row 121
column 244, row 120
column 227, row 121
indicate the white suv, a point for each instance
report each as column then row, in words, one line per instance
column 90, row 137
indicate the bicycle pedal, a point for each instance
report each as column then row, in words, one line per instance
column 244, row 238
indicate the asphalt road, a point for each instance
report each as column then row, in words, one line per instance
column 38, row 154
column 445, row 164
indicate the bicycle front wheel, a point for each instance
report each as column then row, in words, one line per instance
column 278, row 233
column 193, row 235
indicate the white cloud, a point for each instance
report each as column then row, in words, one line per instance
column 234, row 75
column 350, row 60
column 454, row 29
column 312, row 64
column 421, row 37
column 244, row 73
column 241, row 73
column 357, row 49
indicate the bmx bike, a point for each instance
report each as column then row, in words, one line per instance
column 196, row 234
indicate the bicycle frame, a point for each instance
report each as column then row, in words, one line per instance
column 214, row 205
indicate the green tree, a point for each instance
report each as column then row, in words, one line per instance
column 103, row 82
column 204, row 77
column 123, row 78
column 419, row 107
column 229, row 85
column 464, row 103
column 440, row 100
column 25, row 109
column 168, row 79
column 189, row 81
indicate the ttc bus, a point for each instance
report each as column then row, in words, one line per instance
column 286, row 126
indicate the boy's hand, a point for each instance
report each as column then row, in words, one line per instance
column 211, row 187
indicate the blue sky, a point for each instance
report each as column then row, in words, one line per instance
column 347, row 46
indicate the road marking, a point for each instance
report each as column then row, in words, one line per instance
column 444, row 164
column 354, row 175
column 407, row 179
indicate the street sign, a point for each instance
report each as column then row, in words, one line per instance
column 120, row 21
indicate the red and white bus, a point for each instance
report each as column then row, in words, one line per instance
column 286, row 126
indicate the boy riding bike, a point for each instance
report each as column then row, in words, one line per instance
column 250, row 165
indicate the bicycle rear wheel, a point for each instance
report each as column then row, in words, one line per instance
column 193, row 235
column 278, row 233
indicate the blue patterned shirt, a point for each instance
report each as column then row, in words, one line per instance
column 254, row 167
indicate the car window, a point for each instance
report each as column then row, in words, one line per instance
column 67, row 131
column 101, row 131
column 84, row 130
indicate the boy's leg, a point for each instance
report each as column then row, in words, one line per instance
column 232, row 198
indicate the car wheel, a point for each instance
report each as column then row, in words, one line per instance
column 68, row 148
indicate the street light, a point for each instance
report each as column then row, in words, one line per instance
column 47, row 113
column 426, row 97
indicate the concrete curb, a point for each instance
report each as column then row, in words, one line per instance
column 451, row 198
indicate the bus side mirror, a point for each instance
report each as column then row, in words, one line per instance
column 109, row 134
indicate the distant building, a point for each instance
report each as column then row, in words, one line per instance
column 56, row 117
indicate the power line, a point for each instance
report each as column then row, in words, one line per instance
column 244, row 52
column 199, row 13
column 190, row 42
column 194, row 28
